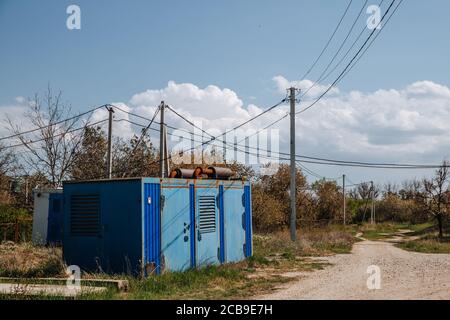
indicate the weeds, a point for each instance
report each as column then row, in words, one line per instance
column 273, row 255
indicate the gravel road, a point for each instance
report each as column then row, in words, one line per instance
column 404, row 275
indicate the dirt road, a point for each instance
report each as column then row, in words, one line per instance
column 404, row 275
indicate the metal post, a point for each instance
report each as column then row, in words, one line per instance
column 293, row 218
column 343, row 196
column 109, row 152
column 162, row 156
column 372, row 207
column 166, row 154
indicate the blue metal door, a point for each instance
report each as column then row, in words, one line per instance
column 234, row 221
column 176, row 226
column 55, row 221
column 207, row 227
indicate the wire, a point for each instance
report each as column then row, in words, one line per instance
column 342, row 74
column 349, row 49
column 318, row 160
column 189, row 122
column 52, row 124
column 373, row 40
column 328, row 42
column 56, row 135
column 337, row 52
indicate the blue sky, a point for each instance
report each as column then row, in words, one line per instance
column 127, row 47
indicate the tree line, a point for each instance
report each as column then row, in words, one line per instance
column 76, row 150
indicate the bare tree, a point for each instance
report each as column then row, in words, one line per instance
column 51, row 149
column 8, row 165
column 436, row 195
column 365, row 191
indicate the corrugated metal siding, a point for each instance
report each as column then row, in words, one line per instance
column 248, row 221
column 192, row 224
column 221, row 226
column 152, row 228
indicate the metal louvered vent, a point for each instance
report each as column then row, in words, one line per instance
column 85, row 215
column 207, row 214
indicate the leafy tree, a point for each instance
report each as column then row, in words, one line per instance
column 436, row 195
column 131, row 159
column 90, row 159
column 329, row 200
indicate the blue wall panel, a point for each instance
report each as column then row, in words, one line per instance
column 222, row 225
column 152, row 228
column 117, row 246
column 192, row 224
column 234, row 228
column 207, row 241
column 248, row 221
column 175, row 219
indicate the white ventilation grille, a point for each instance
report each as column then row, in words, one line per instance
column 207, row 214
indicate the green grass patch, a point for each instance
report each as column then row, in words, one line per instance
column 428, row 244
column 382, row 231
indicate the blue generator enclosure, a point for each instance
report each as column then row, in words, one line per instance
column 151, row 225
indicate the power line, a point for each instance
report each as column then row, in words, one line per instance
column 329, row 41
column 338, row 51
column 351, row 47
column 317, row 160
column 343, row 73
column 373, row 40
column 56, row 135
column 52, row 124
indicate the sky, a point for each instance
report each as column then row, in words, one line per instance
column 221, row 62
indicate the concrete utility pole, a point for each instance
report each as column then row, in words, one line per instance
column 373, row 206
column 293, row 218
column 162, row 143
column 109, row 153
column 343, row 195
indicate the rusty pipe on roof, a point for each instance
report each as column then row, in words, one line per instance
column 182, row 173
column 218, row 173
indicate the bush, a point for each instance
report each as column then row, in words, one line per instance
column 268, row 212
column 9, row 214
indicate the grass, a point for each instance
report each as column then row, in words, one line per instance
column 273, row 256
column 428, row 240
column 28, row 261
column 425, row 236
column 427, row 244
column 382, row 231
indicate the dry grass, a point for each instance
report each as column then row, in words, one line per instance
column 276, row 260
column 27, row 261
column 310, row 242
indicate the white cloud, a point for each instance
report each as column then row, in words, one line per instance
column 409, row 124
column 308, row 88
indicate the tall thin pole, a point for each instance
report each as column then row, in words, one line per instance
column 293, row 218
column 343, row 196
column 109, row 152
column 372, row 207
column 166, row 154
column 162, row 148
